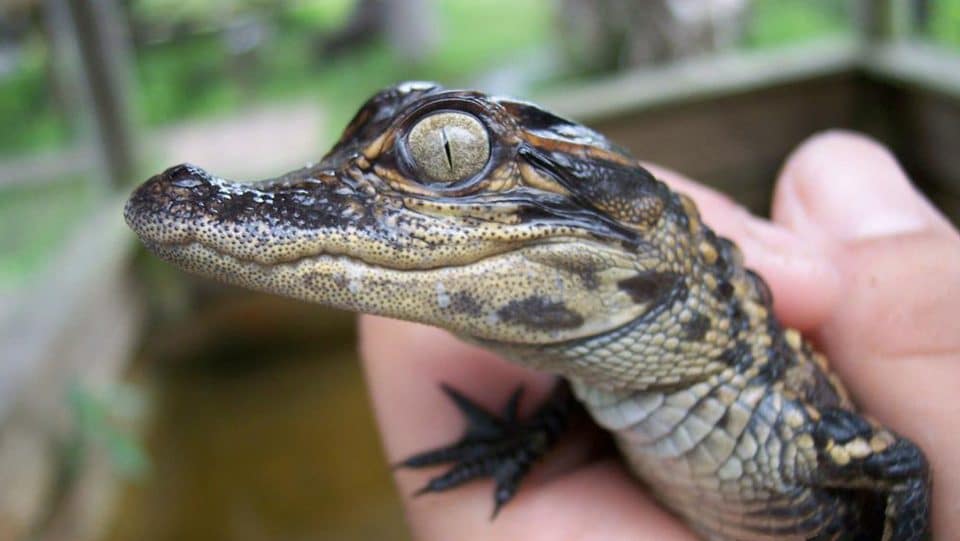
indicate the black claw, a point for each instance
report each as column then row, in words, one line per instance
column 502, row 495
column 501, row 447
column 480, row 422
column 510, row 415
column 498, row 503
column 442, row 455
column 508, row 477
column 456, row 476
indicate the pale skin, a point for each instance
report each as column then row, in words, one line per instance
column 856, row 258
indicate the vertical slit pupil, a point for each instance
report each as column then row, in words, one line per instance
column 446, row 147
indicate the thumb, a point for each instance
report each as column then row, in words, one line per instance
column 899, row 257
column 894, row 337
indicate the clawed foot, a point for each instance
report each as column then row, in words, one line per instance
column 497, row 446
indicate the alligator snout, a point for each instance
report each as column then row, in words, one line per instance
column 182, row 191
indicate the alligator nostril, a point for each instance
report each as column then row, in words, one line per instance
column 186, row 182
column 185, row 176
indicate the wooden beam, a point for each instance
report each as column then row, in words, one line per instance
column 703, row 78
column 914, row 63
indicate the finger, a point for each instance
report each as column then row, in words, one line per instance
column 404, row 362
column 598, row 501
column 895, row 336
column 846, row 187
column 803, row 279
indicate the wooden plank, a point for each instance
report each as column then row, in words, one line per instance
column 736, row 142
column 915, row 64
column 102, row 41
column 40, row 315
column 702, row 78
column 731, row 120
column 49, row 167
column 74, row 329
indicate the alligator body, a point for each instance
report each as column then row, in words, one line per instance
column 537, row 238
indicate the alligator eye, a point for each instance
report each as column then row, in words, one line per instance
column 449, row 146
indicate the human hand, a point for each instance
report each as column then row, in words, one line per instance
column 856, row 258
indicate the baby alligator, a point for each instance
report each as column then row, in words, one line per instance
column 537, row 238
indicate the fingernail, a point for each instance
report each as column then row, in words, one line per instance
column 854, row 189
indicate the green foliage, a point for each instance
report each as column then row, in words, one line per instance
column 27, row 106
column 35, row 220
column 945, row 22
column 462, row 52
column 476, row 34
column 210, row 13
column 99, row 421
column 182, row 79
column 196, row 76
column 311, row 14
column 780, row 22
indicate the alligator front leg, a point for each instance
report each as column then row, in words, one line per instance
column 856, row 454
column 499, row 446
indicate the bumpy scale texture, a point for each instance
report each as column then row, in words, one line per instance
column 538, row 238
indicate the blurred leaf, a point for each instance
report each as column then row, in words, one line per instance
column 96, row 419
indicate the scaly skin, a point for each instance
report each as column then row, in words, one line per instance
column 537, row 238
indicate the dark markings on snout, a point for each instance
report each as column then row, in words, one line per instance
column 340, row 280
column 314, row 280
column 540, row 314
column 463, row 302
column 585, row 270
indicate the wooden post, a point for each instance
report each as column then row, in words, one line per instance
column 883, row 20
column 98, row 31
column 64, row 72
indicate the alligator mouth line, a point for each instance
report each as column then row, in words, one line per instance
column 182, row 247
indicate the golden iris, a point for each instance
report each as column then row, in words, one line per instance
column 449, row 146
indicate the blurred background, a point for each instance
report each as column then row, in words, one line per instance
column 137, row 402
